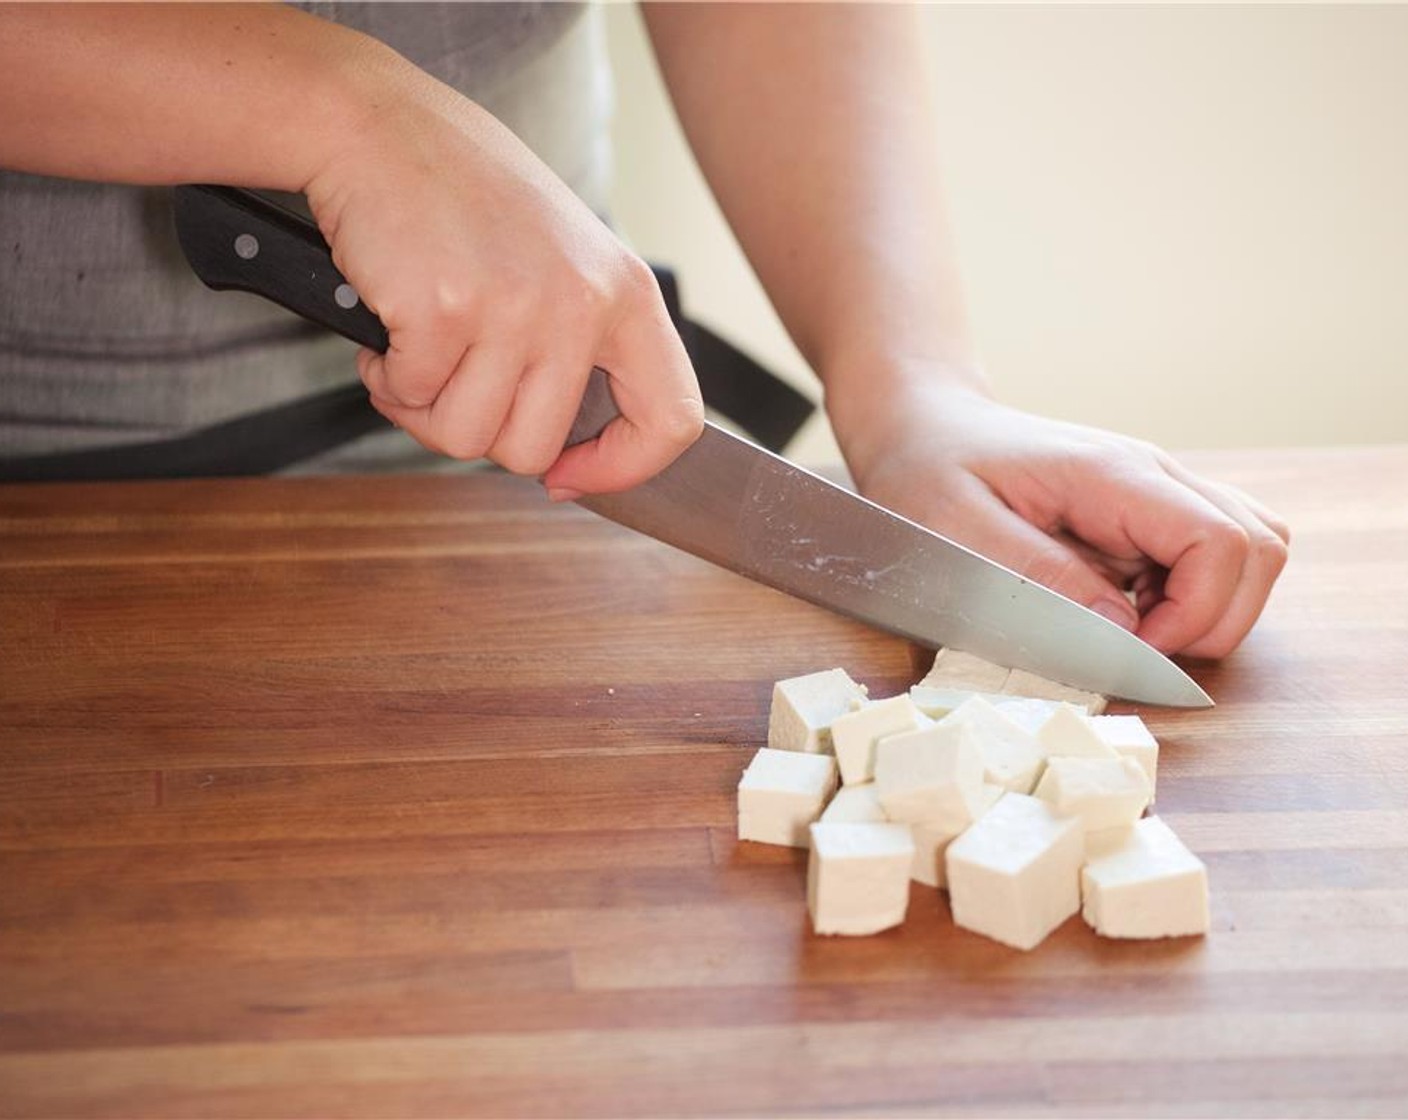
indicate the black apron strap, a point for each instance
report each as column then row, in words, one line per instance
column 273, row 439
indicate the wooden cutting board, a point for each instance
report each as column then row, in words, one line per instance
column 415, row 797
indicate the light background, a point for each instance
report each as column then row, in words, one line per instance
column 1186, row 223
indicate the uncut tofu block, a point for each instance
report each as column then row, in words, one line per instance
column 1140, row 881
column 955, row 669
column 853, row 735
column 1070, row 734
column 1012, row 756
column 803, row 709
column 1102, row 792
column 1015, row 875
column 931, row 776
column 1022, row 683
column 1128, row 736
column 781, row 793
column 931, row 843
column 857, row 804
column 858, row 877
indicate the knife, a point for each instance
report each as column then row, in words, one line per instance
column 733, row 503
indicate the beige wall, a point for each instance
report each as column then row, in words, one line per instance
column 1187, row 223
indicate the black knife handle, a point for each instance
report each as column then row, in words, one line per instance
column 236, row 239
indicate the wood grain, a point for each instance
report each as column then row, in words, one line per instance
column 415, row 797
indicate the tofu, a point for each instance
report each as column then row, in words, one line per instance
column 955, row 669
column 1140, row 881
column 1015, row 875
column 931, row 776
column 930, row 844
column 858, row 877
column 1102, row 792
column 858, row 804
column 938, row 702
column 1069, row 734
column 1128, row 736
column 1022, row 683
column 781, row 793
column 854, row 734
column 1012, row 756
column 1028, row 712
column 803, row 709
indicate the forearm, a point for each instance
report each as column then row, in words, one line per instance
column 253, row 94
column 814, row 126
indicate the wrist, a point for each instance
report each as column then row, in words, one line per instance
column 873, row 406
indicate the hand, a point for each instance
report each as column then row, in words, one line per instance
column 500, row 290
column 1083, row 511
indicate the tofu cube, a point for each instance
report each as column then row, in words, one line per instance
column 803, row 709
column 1012, row 756
column 930, row 844
column 858, row 876
column 1141, row 882
column 781, row 793
column 931, row 776
column 938, row 702
column 854, row 734
column 1022, row 683
column 1102, row 792
column 1128, row 736
column 1015, row 875
column 857, row 804
column 1028, row 712
column 1070, row 734
column 953, row 668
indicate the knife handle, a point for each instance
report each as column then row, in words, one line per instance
column 234, row 239
column 237, row 240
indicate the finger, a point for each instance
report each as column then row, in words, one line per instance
column 467, row 415
column 1266, row 558
column 419, row 360
column 1202, row 549
column 991, row 528
column 656, row 392
column 544, row 406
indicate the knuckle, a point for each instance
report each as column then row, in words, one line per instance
column 681, row 425
column 1272, row 553
column 1229, row 537
column 523, row 458
column 637, row 281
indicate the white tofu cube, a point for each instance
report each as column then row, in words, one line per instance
column 1012, row 756
column 953, row 668
column 857, row 804
column 1030, row 713
column 938, row 702
column 854, row 734
column 781, row 793
column 931, row 776
column 930, row 843
column 1069, row 734
column 1022, row 683
column 1102, row 792
column 1140, row 881
column 1015, row 875
column 1128, row 736
column 858, row 876
column 803, row 709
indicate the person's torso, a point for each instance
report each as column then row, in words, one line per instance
column 106, row 337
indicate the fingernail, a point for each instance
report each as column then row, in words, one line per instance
column 563, row 494
column 1117, row 611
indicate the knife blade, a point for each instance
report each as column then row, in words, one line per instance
column 733, row 503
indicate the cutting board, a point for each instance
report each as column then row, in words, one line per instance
column 416, row 796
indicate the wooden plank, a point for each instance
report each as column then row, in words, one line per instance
column 415, row 797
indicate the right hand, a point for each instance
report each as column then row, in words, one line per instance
column 500, row 290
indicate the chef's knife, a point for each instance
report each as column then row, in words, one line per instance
column 733, row 503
